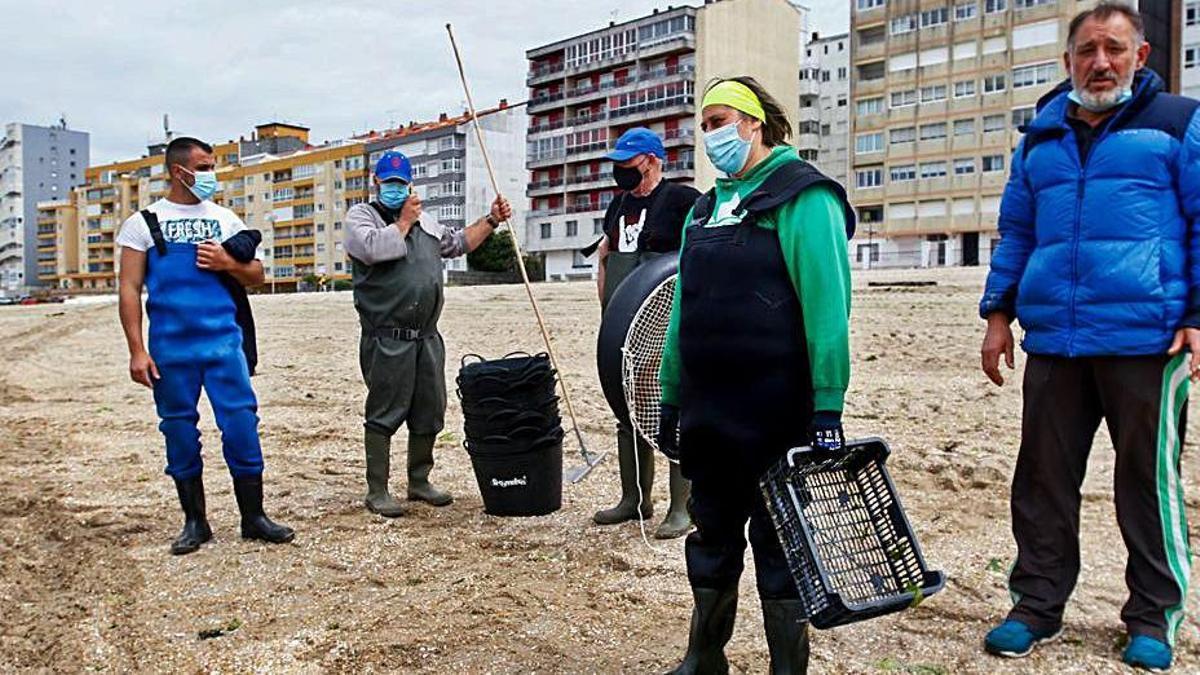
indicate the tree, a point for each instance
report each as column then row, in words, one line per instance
column 495, row 254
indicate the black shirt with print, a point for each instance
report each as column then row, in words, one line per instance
column 662, row 228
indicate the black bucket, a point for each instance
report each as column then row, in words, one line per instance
column 527, row 484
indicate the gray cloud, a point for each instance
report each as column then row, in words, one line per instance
column 219, row 67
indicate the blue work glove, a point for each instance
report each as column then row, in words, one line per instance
column 825, row 431
column 668, row 430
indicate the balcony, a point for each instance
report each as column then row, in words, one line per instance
column 589, row 181
column 544, row 73
column 587, row 148
column 679, row 169
column 547, row 126
column 545, row 101
column 665, row 107
column 675, row 137
column 544, row 159
column 544, row 213
column 602, row 64
column 667, row 45
column 586, row 207
column 542, row 188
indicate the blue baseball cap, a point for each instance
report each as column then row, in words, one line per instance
column 393, row 164
column 637, row 141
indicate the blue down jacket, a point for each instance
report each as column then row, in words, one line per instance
column 1102, row 256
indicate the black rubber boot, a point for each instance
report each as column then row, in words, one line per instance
column 420, row 463
column 787, row 636
column 712, row 626
column 255, row 523
column 678, row 521
column 379, row 465
column 195, row 523
column 631, row 470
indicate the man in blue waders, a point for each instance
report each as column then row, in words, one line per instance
column 397, row 264
column 184, row 249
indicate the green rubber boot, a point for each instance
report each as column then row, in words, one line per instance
column 787, row 636
column 420, row 463
column 678, row 521
column 379, row 459
column 631, row 470
column 712, row 626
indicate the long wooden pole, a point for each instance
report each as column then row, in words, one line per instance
column 589, row 459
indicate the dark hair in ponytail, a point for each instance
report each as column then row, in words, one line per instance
column 776, row 128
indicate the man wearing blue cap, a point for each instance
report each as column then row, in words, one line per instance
column 397, row 270
column 644, row 221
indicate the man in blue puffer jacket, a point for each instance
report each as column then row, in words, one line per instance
column 1099, row 259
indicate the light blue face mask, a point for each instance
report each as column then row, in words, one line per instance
column 393, row 194
column 726, row 149
column 1123, row 98
column 205, row 184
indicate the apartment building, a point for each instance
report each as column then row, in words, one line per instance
column 449, row 172
column 37, row 164
column 584, row 91
column 825, row 105
column 939, row 91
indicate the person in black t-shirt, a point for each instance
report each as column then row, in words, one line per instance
column 644, row 221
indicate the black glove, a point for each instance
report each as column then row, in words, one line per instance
column 825, row 431
column 668, row 430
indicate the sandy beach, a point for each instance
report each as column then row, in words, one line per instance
column 86, row 513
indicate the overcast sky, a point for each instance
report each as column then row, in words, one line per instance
column 219, row 67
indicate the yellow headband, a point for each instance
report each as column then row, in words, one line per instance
column 737, row 96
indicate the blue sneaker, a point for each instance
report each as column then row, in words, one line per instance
column 1147, row 653
column 1014, row 639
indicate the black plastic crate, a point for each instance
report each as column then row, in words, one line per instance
column 849, row 545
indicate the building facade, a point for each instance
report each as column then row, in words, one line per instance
column 295, row 193
column 586, row 90
column 825, row 104
column 449, row 172
column 939, row 92
column 37, row 164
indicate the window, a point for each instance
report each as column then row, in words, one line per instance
column 545, row 228
column 964, row 127
column 903, row 172
column 864, row 5
column 869, row 106
column 931, row 132
column 993, row 84
column 1191, row 14
column 993, row 163
column 1191, row 56
column 904, row 98
column 934, row 17
column 993, row 123
column 1023, row 116
column 904, row 24
column 597, row 226
column 903, row 135
column 869, row 178
column 870, row 251
column 993, row 6
column 933, row 93
column 841, row 101
column 572, row 228
column 1026, row 4
column 320, row 227
column 337, row 225
column 964, row 88
column 865, row 143
column 933, row 170
column 1029, row 76
column 965, row 166
column 965, row 11
column 337, row 267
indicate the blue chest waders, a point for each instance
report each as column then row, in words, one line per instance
column 196, row 342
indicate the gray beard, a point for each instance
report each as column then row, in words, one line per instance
column 1105, row 100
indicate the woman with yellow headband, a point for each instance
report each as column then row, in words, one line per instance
column 756, row 361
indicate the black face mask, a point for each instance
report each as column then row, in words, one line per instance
column 627, row 178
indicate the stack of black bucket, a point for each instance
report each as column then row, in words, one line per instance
column 513, row 432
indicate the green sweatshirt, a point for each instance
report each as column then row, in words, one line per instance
column 812, row 235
